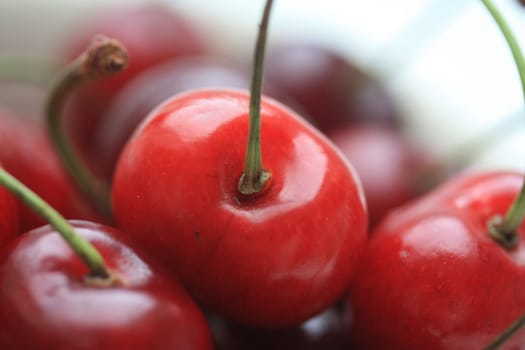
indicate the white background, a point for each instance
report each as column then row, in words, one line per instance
column 444, row 61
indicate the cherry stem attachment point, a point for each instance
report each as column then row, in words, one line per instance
column 504, row 230
column 85, row 251
column 255, row 176
column 103, row 58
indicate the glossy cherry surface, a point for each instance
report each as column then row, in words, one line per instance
column 433, row 278
column 388, row 164
column 273, row 259
column 26, row 152
column 46, row 304
column 8, row 216
column 150, row 32
column 333, row 91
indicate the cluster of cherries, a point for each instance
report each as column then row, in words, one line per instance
column 203, row 215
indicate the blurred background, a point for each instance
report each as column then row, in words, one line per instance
column 445, row 63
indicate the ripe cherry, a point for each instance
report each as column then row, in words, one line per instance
column 8, row 217
column 433, row 278
column 447, row 271
column 333, row 91
column 152, row 34
column 263, row 246
column 46, row 303
column 388, row 164
column 21, row 142
column 63, row 293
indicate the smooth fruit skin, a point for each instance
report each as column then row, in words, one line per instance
column 271, row 260
column 433, row 278
column 27, row 154
column 151, row 33
column 8, row 216
column 333, row 91
column 45, row 303
column 388, row 164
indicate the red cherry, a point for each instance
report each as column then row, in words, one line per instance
column 45, row 303
column 388, row 164
column 8, row 216
column 27, row 153
column 333, row 91
column 432, row 276
column 151, row 33
column 274, row 258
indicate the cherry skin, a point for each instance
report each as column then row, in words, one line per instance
column 333, row 91
column 148, row 89
column 26, row 152
column 324, row 331
column 45, row 303
column 271, row 259
column 388, row 164
column 152, row 34
column 8, row 217
column 433, row 278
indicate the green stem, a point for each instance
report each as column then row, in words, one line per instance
column 504, row 230
column 103, row 58
column 507, row 334
column 255, row 176
column 89, row 255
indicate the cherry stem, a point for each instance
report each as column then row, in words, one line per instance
column 255, row 176
column 87, row 253
column 507, row 334
column 504, row 230
column 103, row 58
column 22, row 67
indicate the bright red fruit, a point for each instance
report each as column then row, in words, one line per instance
column 388, row 164
column 333, row 91
column 8, row 216
column 45, row 303
column 433, row 278
column 151, row 33
column 274, row 258
column 27, row 153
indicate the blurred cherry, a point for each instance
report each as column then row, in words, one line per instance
column 325, row 331
column 27, row 153
column 389, row 165
column 8, row 216
column 334, row 91
column 152, row 34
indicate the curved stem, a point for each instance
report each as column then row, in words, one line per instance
column 255, row 176
column 504, row 230
column 103, row 58
column 507, row 334
column 89, row 255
